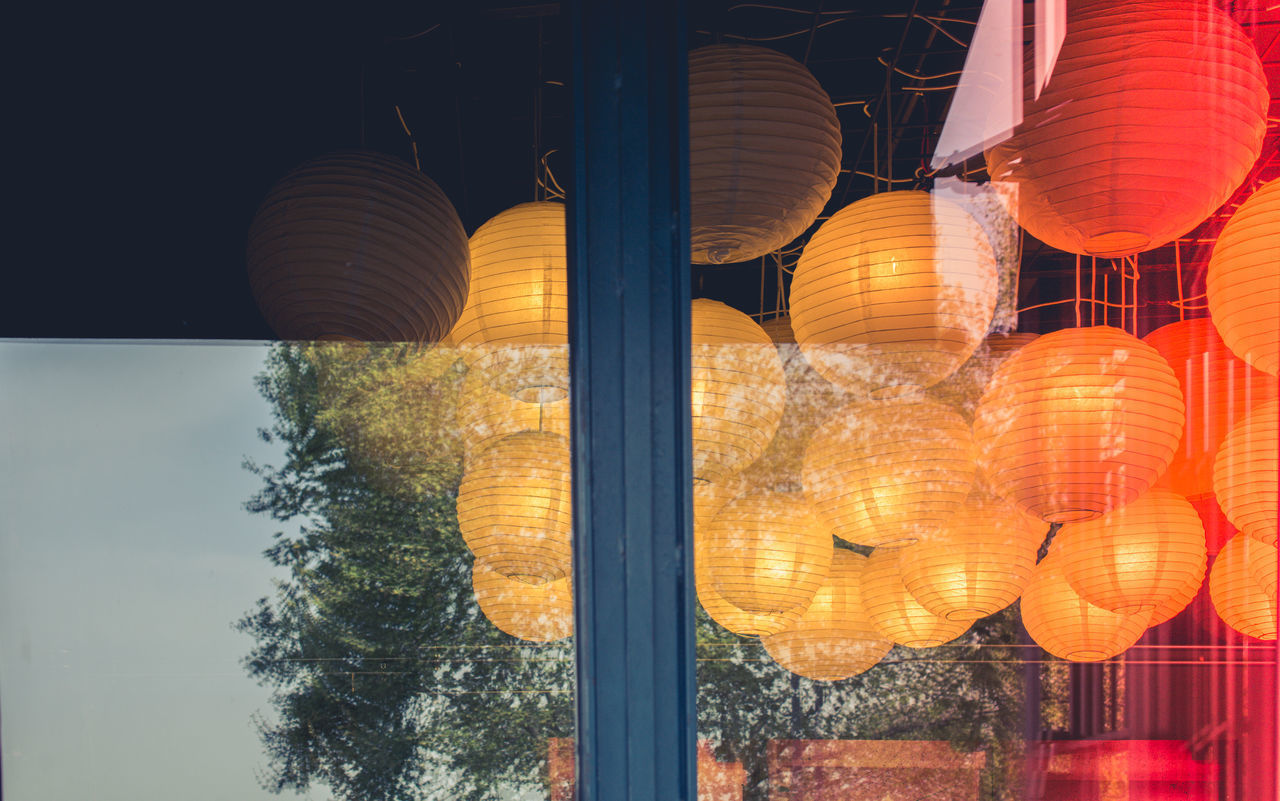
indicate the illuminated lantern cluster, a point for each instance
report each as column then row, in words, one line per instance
column 358, row 246
column 963, row 389
column 1068, row 626
column 1242, row 290
column 1245, row 473
column 764, row 151
column 1242, row 586
column 1079, row 422
column 893, row 293
column 895, row 613
column 532, row 612
column 1154, row 114
column 485, row 414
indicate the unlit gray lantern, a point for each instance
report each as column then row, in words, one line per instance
column 358, row 246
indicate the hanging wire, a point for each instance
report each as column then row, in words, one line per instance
column 1177, row 265
column 917, row 76
column 1077, row 290
column 413, row 143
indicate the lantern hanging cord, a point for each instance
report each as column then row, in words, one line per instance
column 777, row 37
column 882, row 178
column 804, row 11
column 412, row 142
column 413, row 36
column 547, row 180
column 916, row 76
column 1177, row 265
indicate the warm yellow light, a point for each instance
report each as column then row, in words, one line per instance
column 532, row 612
column 895, row 613
column 1238, row 586
column 1246, row 473
column 1068, row 626
column 1242, row 283
column 485, row 414
column 963, row 389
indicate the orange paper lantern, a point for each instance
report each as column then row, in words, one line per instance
column 834, row 639
column 1079, row 422
column 764, row 151
column 1068, row 626
column 1242, row 285
column 536, row 613
column 893, row 293
column 513, row 506
column 1246, row 474
column 1218, row 389
column 1135, row 558
column 895, row 613
column 1154, row 114
column 358, row 246
column 1238, row 586
column 963, row 389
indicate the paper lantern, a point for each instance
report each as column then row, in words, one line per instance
column 1079, row 422
column 1218, row 389
column 738, row 390
column 532, row 612
column 1245, row 474
column 767, row 552
column 1154, row 114
column 485, row 414
column 963, row 389
column 764, row 151
column 1137, row 557
column 514, row 509
column 1243, row 290
column 895, row 613
column 893, row 293
column 882, row 473
column 978, row 563
column 1239, row 596
column 515, row 327
column 1068, row 626
column 834, row 639
column 358, row 246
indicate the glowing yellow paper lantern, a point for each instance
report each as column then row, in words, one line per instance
column 893, row 293
column 514, row 509
column 533, row 612
column 358, row 246
column 485, row 414
column 1137, row 557
column 767, row 552
column 834, row 639
column 515, row 327
column 893, row 611
column 1245, row 474
column 1218, row 388
column 764, row 151
column 739, row 390
column 978, row 563
column 882, row 473
column 963, row 389
column 1154, row 114
column 1238, row 593
column 1242, row 284
column 1077, row 423
column 1068, row 626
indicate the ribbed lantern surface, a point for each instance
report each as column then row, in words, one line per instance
column 978, row 563
column 895, row 613
column 533, row 612
column 963, row 389
column 738, row 390
column 1242, row 282
column 1079, row 422
column 515, row 326
column 1135, row 558
column 485, row 414
column 358, row 246
column 1068, row 626
column 887, row 472
column 834, row 639
column 767, row 552
column 893, row 293
column 1218, row 389
column 1154, row 114
column 513, row 506
column 1245, row 473
column 1238, row 591
column 764, row 151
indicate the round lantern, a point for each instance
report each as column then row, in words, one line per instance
column 834, row 639
column 533, row 612
column 1245, row 474
column 1218, row 389
column 515, row 326
column 357, row 245
column 1135, row 558
column 739, row 390
column 893, row 611
column 485, row 414
column 882, row 473
column 893, row 293
column 976, row 564
column 963, row 389
column 764, row 151
column 1077, row 423
column 1154, row 114
column 1243, row 292
column 1068, row 626
column 767, row 552
column 1240, row 598
column 513, row 506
